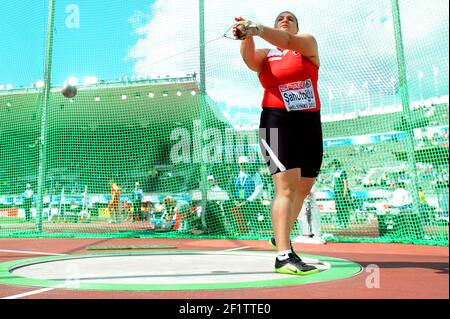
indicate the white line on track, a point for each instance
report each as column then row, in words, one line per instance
column 239, row 248
column 29, row 252
column 35, row 292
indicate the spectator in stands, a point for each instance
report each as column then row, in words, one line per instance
column 150, row 211
column 137, row 202
column 422, row 197
column 408, row 223
column 247, row 189
column 400, row 197
column 28, row 201
column 212, row 184
column 214, row 212
column 383, row 180
column 169, row 204
column 126, row 211
column 193, row 218
column 441, row 187
column 425, row 209
column 309, row 221
column 341, row 193
column 169, row 212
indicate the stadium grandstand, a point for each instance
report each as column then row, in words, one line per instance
column 123, row 131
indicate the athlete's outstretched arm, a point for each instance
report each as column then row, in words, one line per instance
column 253, row 58
column 304, row 43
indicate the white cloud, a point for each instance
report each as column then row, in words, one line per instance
column 356, row 41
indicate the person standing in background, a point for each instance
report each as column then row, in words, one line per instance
column 113, row 205
column 137, row 202
column 28, row 201
column 341, row 193
column 248, row 187
column 309, row 220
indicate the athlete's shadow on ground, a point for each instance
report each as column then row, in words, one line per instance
column 442, row 268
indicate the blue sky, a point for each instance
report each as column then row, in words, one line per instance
column 160, row 37
column 78, row 52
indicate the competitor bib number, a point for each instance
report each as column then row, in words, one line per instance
column 298, row 96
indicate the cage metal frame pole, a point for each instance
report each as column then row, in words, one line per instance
column 404, row 94
column 44, row 124
column 202, row 62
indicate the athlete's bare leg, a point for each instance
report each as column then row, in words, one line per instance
column 286, row 185
column 303, row 189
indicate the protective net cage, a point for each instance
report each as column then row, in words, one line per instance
column 152, row 144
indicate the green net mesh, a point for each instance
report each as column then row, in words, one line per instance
column 140, row 116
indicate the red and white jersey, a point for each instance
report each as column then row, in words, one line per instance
column 289, row 81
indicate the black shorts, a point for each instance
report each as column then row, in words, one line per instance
column 291, row 140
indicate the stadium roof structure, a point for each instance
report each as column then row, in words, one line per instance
column 168, row 101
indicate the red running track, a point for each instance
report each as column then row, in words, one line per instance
column 406, row 271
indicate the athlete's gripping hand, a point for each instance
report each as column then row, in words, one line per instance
column 245, row 28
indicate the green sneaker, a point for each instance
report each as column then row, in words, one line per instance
column 294, row 266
